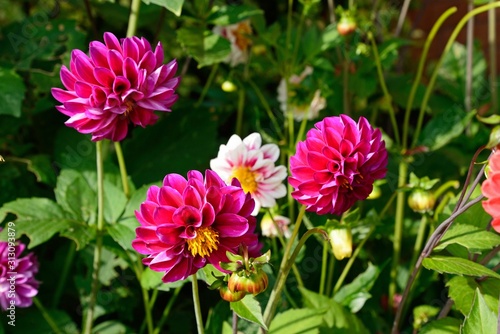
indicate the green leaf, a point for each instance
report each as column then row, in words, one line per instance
column 114, row 202
column 123, row 234
column 175, row 6
column 37, row 218
column 494, row 139
column 457, row 266
column 442, row 326
column 41, row 166
column 470, row 237
column 462, row 289
column 422, row 313
column 11, row 92
column 481, row 320
column 204, row 46
column 226, row 15
column 330, row 37
column 492, row 119
column 249, row 309
column 475, row 216
column 355, row 294
column 297, row 321
column 112, row 327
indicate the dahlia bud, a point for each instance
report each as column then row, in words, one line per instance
column 346, row 26
column 253, row 282
column 229, row 295
column 341, row 241
column 421, row 201
column 228, row 86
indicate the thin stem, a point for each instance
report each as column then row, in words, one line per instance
column 235, row 323
column 402, row 17
column 492, row 45
column 288, row 37
column 349, row 264
column 133, row 17
column 46, row 316
column 302, row 129
column 267, row 108
column 89, row 319
column 331, row 11
column 64, row 274
column 388, row 97
column 240, row 110
column 447, row 48
column 329, row 280
column 210, row 79
column 324, row 261
column 345, row 86
column 167, row 309
column 147, row 310
column 469, row 59
column 123, row 169
column 91, row 17
column 420, row 239
column 197, row 306
column 398, row 230
column 453, row 183
column 420, row 70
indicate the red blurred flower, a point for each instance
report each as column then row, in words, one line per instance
column 491, row 190
column 337, row 164
column 186, row 224
column 119, row 82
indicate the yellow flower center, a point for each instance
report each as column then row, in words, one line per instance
column 204, row 243
column 246, row 178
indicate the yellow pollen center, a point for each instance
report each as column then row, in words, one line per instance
column 130, row 108
column 246, row 178
column 204, row 243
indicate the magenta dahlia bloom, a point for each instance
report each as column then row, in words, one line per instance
column 337, row 164
column 17, row 276
column 186, row 224
column 119, row 82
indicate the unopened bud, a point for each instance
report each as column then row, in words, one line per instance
column 341, row 241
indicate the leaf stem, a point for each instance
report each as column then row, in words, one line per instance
column 64, row 274
column 492, row 45
column 324, row 265
column 133, row 17
column 240, row 110
column 46, row 316
column 167, row 309
column 123, row 169
column 210, row 79
column 197, row 306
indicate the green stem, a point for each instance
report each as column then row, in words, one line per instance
column 453, row 183
column 398, row 230
column 324, row 260
column 302, row 129
column 133, row 17
column 388, row 97
column 239, row 112
column 348, row 266
column 492, row 45
column 420, row 70
column 167, row 309
column 267, row 108
column 329, row 280
column 197, row 306
column 89, row 319
column 291, row 142
column 46, row 316
column 123, row 169
column 420, row 239
column 286, row 263
column 447, row 48
column 64, row 274
column 345, row 86
column 210, row 79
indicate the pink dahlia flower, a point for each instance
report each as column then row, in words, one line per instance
column 253, row 165
column 337, row 164
column 119, row 82
column 17, row 276
column 186, row 224
column 491, row 190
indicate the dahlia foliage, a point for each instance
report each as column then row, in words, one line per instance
column 337, row 164
column 118, row 83
column 253, row 164
column 186, row 224
column 491, row 190
column 25, row 287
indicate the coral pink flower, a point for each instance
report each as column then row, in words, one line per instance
column 253, row 165
column 21, row 291
column 337, row 164
column 491, row 190
column 119, row 82
column 237, row 34
column 186, row 224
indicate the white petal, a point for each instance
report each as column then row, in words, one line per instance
column 233, row 142
column 271, row 151
column 253, row 141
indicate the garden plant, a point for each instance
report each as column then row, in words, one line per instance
column 207, row 166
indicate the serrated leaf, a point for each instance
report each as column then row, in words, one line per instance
column 297, row 321
column 41, row 166
column 461, row 289
column 175, row 6
column 442, row 326
column 38, row 218
column 114, row 202
column 355, row 294
column 470, row 237
column 249, row 309
column 226, row 15
column 11, row 92
column 457, row 266
column 481, row 320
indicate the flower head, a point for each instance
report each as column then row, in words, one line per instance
column 117, row 83
column 268, row 226
column 491, row 190
column 25, row 268
column 253, row 166
column 297, row 96
column 186, row 224
column 237, row 34
column 337, row 164
column 341, row 241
